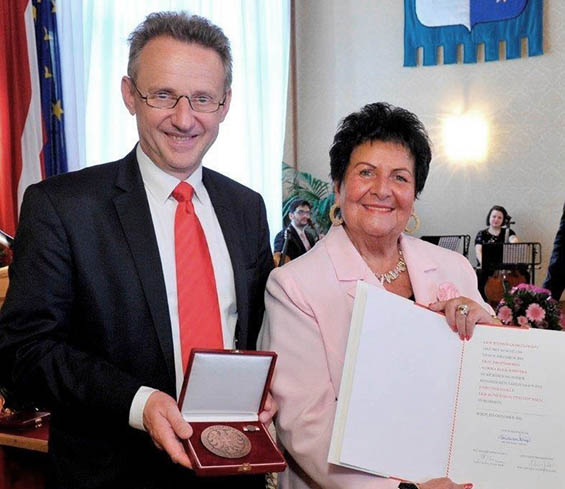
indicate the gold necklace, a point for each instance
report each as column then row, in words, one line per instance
column 393, row 274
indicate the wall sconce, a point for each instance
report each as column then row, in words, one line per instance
column 465, row 138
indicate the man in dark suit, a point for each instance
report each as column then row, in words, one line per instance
column 90, row 326
column 555, row 280
column 299, row 241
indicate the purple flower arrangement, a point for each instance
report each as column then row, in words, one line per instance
column 530, row 306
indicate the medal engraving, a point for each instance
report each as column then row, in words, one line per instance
column 225, row 441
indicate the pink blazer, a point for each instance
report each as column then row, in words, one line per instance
column 309, row 303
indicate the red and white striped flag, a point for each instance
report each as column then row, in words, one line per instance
column 21, row 138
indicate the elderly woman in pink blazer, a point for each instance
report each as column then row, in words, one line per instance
column 379, row 163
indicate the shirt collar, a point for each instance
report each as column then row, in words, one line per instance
column 159, row 183
column 298, row 230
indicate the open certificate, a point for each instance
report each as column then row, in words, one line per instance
column 416, row 402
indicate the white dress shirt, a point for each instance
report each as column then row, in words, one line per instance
column 303, row 237
column 162, row 205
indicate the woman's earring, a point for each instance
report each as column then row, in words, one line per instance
column 335, row 215
column 412, row 230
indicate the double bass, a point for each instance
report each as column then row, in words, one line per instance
column 502, row 280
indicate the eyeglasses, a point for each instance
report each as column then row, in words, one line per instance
column 166, row 100
column 300, row 212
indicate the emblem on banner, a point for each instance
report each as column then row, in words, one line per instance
column 449, row 23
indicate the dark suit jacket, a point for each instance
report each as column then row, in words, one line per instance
column 555, row 280
column 295, row 246
column 86, row 321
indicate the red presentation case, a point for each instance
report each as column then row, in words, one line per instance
column 229, row 387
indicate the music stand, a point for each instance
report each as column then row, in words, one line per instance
column 451, row 242
column 510, row 256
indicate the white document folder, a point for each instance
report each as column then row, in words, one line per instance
column 416, row 402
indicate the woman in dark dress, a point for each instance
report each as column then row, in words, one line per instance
column 498, row 231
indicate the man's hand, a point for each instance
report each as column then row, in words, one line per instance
column 271, row 407
column 163, row 421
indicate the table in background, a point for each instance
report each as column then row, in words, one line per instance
column 23, row 458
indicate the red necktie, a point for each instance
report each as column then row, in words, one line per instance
column 199, row 313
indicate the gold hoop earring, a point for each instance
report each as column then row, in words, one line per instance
column 335, row 215
column 412, row 230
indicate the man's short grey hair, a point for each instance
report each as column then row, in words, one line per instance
column 184, row 27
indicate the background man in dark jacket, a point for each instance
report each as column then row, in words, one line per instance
column 299, row 239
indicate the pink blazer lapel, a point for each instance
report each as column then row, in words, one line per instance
column 421, row 268
column 348, row 264
column 350, row 267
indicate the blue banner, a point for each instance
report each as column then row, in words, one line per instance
column 449, row 23
column 49, row 65
column 493, row 11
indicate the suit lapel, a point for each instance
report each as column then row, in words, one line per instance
column 135, row 217
column 234, row 242
column 297, row 241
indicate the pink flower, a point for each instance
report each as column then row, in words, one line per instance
column 531, row 288
column 505, row 314
column 523, row 321
column 535, row 312
column 446, row 291
column 541, row 290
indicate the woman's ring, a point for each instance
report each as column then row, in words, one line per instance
column 463, row 309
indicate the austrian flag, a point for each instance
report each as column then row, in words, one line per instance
column 21, row 138
column 31, row 126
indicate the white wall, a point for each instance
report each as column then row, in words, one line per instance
column 350, row 52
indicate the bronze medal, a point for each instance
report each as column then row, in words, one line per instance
column 225, row 441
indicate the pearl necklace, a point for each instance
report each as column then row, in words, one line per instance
column 393, row 274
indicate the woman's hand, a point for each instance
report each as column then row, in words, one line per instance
column 270, row 409
column 443, row 483
column 462, row 315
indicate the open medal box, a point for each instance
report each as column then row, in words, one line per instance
column 222, row 395
column 23, row 420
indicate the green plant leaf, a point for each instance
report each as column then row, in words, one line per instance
column 304, row 186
